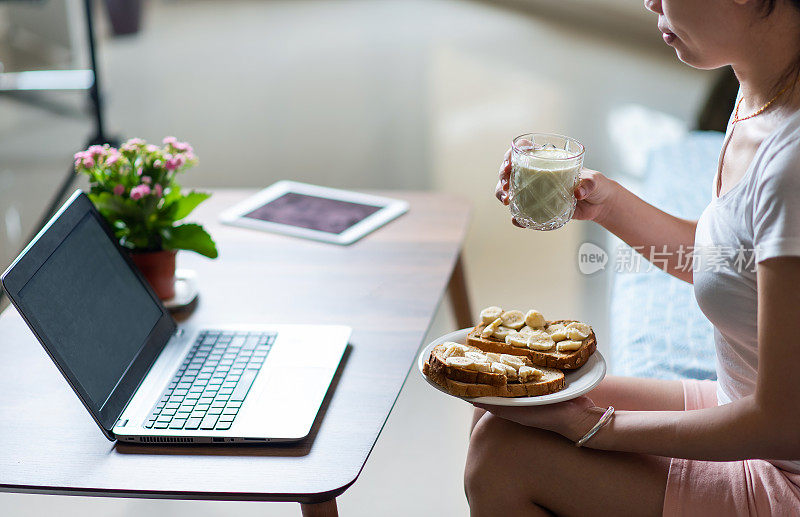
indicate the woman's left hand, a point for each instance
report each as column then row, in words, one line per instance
column 571, row 419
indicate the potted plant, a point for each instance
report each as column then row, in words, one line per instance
column 135, row 189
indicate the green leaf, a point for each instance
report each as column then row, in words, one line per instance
column 114, row 207
column 190, row 237
column 101, row 200
column 184, row 205
column 173, row 193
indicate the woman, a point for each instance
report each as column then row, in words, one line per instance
column 670, row 448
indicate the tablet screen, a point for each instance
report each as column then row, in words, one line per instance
column 313, row 212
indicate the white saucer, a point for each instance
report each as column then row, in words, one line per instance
column 186, row 290
column 579, row 382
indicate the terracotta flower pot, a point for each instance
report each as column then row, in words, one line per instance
column 158, row 267
column 125, row 16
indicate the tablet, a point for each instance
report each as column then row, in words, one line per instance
column 313, row 212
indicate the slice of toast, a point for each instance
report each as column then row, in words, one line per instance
column 437, row 362
column 551, row 381
column 550, row 359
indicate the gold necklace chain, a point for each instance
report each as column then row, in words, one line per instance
column 761, row 110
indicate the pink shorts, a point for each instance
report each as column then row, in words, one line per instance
column 710, row 488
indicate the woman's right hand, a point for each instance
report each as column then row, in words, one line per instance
column 593, row 192
column 501, row 190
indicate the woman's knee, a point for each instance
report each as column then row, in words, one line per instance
column 489, row 449
column 477, row 413
column 482, row 479
column 495, row 468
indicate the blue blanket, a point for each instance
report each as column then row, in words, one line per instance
column 657, row 329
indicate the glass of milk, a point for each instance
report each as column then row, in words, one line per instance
column 544, row 173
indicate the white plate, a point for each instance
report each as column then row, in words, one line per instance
column 579, row 382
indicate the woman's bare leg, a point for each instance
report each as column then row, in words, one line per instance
column 477, row 413
column 637, row 394
column 630, row 394
column 517, row 470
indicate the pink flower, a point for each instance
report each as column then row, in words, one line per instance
column 158, row 190
column 79, row 156
column 170, row 140
column 151, row 148
column 174, row 162
column 139, row 171
column 183, row 147
column 132, row 145
column 139, row 191
column 96, row 150
column 112, row 159
column 147, row 179
column 119, row 190
column 88, row 162
column 170, row 163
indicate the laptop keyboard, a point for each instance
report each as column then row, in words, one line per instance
column 209, row 387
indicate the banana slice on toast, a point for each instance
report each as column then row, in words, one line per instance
column 563, row 344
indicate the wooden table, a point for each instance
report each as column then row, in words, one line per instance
column 386, row 286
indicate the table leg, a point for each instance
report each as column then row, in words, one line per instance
column 326, row 509
column 459, row 297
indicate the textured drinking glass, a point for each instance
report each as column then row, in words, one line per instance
column 544, row 172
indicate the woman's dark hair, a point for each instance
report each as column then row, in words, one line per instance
column 769, row 5
column 792, row 73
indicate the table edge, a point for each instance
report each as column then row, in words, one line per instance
column 316, row 497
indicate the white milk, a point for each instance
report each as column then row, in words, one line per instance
column 542, row 183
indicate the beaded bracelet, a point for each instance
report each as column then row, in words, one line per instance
column 606, row 418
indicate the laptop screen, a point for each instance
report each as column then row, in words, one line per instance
column 92, row 308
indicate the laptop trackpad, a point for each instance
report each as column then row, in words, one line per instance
column 289, row 401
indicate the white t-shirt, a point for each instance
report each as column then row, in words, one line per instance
column 757, row 219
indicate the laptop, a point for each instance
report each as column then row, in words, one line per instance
column 142, row 377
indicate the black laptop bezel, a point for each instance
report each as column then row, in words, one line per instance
column 28, row 263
